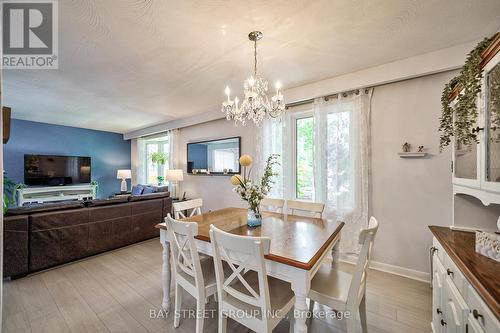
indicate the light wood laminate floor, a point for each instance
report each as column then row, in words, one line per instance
column 118, row 291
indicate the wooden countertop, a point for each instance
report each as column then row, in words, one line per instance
column 482, row 272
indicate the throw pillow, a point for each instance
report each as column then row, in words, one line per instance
column 137, row 189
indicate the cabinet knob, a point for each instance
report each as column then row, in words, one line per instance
column 476, row 314
column 439, row 311
column 449, row 271
column 443, row 323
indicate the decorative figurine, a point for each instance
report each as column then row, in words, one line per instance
column 420, row 149
column 406, row 147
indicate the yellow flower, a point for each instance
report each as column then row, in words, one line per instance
column 236, row 180
column 245, row 160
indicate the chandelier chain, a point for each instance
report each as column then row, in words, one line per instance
column 255, row 58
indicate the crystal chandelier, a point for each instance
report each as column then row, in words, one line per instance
column 256, row 106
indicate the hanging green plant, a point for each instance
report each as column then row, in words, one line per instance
column 159, row 158
column 459, row 121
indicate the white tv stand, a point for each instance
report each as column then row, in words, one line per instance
column 54, row 193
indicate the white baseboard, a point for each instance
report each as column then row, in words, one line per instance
column 397, row 270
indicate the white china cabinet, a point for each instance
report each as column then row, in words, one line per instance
column 476, row 169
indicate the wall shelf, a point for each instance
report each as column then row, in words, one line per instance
column 412, row 154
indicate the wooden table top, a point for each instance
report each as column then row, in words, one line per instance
column 296, row 241
column 482, row 272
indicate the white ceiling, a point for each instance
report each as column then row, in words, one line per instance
column 128, row 64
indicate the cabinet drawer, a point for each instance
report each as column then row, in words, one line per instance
column 485, row 318
column 437, row 291
column 454, row 274
column 440, row 251
column 456, row 310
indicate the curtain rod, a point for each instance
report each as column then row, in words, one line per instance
column 326, row 97
column 336, row 95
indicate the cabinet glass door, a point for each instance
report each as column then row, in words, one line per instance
column 492, row 128
column 465, row 161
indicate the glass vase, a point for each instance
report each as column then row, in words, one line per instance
column 253, row 219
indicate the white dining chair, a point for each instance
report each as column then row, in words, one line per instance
column 195, row 276
column 248, row 295
column 194, row 206
column 272, row 205
column 305, row 208
column 343, row 291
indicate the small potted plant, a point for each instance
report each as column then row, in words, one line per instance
column 254, row 192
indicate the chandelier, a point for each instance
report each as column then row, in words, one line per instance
column 255, row 106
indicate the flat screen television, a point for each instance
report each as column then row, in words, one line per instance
column 52, row 170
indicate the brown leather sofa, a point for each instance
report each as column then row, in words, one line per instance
column 50, row 235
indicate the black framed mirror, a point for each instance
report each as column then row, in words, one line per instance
column 214, row 157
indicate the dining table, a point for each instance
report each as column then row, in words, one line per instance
column 299, row 246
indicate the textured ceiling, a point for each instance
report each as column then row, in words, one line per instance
column 128, row 64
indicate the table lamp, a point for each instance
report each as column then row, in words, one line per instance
column 123, row 174
column 174, row 176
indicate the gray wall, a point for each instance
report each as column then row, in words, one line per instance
column 216, row 191
column 407, row 195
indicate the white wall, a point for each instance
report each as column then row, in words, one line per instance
column 408, row 194
column 216, row 191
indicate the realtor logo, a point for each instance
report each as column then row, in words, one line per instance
column 29, row 37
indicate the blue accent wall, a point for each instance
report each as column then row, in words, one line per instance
column 108, row 151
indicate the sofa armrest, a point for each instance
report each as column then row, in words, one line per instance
column 15, row 245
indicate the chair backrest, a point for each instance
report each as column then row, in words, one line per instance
column 272, row 205
column 358, row 282
column 242, row 254
column 184, row 251
column 193, row 205
column 305, row 208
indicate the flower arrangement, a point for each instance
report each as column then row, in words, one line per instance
column 254, row 192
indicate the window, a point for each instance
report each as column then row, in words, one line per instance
column 304, row 175
column 337, row 150
column 161, row 147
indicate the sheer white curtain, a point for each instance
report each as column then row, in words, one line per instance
column 341, row 159
column 141, row 159
column 274, row 137
column 173, row 140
